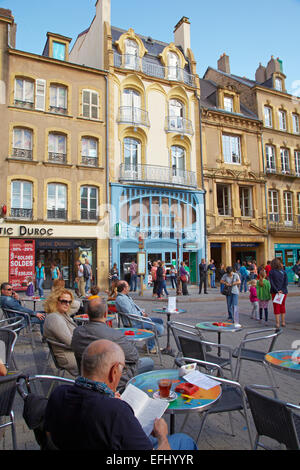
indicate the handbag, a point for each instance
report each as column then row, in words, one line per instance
column 227, row 289
column 183, row 278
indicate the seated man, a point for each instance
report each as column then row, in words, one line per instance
column 90, row 415
column 125, row 304
column 96, row 329
column 10, row 300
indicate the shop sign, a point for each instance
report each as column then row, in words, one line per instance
column 244, row 245
column 25, row 231
column 21, row 262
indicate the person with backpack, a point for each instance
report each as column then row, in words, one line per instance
column 87, row 275
column 79, row 273
column 296, row 269
column 244, row 273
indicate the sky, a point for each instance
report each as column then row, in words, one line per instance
column 249, row 34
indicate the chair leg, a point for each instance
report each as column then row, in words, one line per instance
column 245, row 416
column 231, row 423
column 272, row 379
column 13, row 431
column 158, row 350
column 201, row 426
column 184, row 422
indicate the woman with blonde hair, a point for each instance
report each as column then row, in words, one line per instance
column 60, row 284
column 59, row 327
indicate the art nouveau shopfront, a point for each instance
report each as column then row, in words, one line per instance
column 163, row 216
column 23, row 245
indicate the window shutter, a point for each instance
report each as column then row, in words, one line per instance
column 40, row 92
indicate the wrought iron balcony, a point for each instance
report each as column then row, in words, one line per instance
column 179, row 124
column 24, row 104
column 279, row 222
column 132, row 62
column 19, row 213
column 58, row 110
column 154, row 174
column 88, row 214
column 57, row 157
column 133, row 116
column 23, row 154
column 89, row 161
column 59, row 214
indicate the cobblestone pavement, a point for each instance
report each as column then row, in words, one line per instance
column 216, row 433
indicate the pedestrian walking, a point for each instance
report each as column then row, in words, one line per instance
column 268, row 268
column 244, row 275
column 221, row 274
column 173, row 277
column 263, row 288
column 87, row 275
column 253, row 300
column 203, row 276
column 296, row 270
column 55, row 272
column 161, row 279
column 154, row 280
column 232, row 281
column 212, row 273
column 279, row 282
column 184, row 278
column 133, row 276
column 79, row 273
column 40, row 278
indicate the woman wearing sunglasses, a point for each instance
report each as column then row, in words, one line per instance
column 59, row 327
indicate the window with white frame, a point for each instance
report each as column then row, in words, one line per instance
column 24, row 92
column 22, row 143
column 131, row 106
column 56, row 201
column 288, row 208
column 224, row 199
column 270, row 159
column 176, row 115
column 282, row 120
column 173, row 66
column 21, row 199
column 58, row 99
column 231, row 149
column 246, row 201
column 131, row 54
column 228, row 104
column 88, row 202
column 57, row 147
column 278, row 84
column 296, row 128
column 90, row 104
column 132, row 156
column 285, row 160
column 178, row 162
column 89, row 151
column 268, row 116
column 297, row 162
column 273, row 206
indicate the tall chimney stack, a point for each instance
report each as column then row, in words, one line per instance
column 182, row 34
column 224, row 63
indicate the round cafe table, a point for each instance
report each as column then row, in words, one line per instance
column 218, row 327
column 199, row 401
column 286, row 361
column 168, row 349
column 136, row 334
column 32, row 299
column 81, row 319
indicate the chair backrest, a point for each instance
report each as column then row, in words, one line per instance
column 7, row 393
column 273, row 418
column 53, row 355
column 8, row 337
column 126, row 321
column 187, row 342
column 13, row 323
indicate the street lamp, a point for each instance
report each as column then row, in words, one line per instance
column 177, row 234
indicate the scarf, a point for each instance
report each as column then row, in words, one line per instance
column 88, row 384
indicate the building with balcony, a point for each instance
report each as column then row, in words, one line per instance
column 279, row 113
column 154, row 143
column 52, row 157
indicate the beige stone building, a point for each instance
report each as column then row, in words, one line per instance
column 52, row 159
column 279, row 164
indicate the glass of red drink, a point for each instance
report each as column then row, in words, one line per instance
column 164, row 387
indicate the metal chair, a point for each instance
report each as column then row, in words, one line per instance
column 9, row 313
column 14, row 325
column 8, row 339
column 190, row 344
column 242, row 353
column 127, row 321
column 7, row 394
column 273, row 418
column 232, row 398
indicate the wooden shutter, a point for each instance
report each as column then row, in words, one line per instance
column 40, row 94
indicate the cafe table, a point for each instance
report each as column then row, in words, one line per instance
column 168, row 349
column 32, row 299
column 136, row 334
column 219, row 328
column 81, row 319
column 286, row 361
column 182, row 404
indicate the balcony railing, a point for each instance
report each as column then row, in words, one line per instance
column 179, row 124
column 57, row 157
column 58, row 110
column 89, row 161
column 24, row 104
column 59, row 214
column 285, row 172
column 21, row 213
column 133, row 116
column 23, row 154
column 157, row 174
column 284, row 222
column 88, row 214
column 132, row 62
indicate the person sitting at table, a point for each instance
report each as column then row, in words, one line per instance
column 10, row 300
column 125, row 304
column 112, row 293
column 91, row 415
column 59, row 327
column 75, row 306
column 94, row 293
column 96, row 329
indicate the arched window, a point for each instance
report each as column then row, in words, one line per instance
column 176, row 115
column 173, row 66
column 57, row 147
column 88, row 202
column 178, row 163
column 58, row 99
column 132, row 156
column 22, row 143
column 24, row 93
column 131, row 106
column 89, row 151
column 131, row 54
column 21, row 199
column 56, row 201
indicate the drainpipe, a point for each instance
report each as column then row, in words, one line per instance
column 266, row 195
column 107, row 165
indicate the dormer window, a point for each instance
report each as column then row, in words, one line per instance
column 173, row 66
column 58, row 50
column 131, row 55
column 228, row 104
column 278, row 84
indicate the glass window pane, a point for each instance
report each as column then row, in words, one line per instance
column 59, row 50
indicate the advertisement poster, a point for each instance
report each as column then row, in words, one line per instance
column 21, row 263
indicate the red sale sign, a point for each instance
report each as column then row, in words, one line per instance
column 21, row 262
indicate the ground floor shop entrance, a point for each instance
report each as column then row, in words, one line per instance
column 289, row 255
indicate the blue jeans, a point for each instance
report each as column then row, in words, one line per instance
column 178, row 441
column 39, row 284
column 243, row 283
column 145, row 364
column 159, row 327
column 174, row 282
column 213, row 280
column 133, row 282
column 87, row 285
column 162, row 287
column 232, row 303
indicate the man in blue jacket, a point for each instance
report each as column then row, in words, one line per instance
column 10, row 300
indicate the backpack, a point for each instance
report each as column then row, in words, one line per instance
column 86, row 273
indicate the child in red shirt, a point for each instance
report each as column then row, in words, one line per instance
column 254, row 299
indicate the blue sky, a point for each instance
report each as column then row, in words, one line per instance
column 248, row 34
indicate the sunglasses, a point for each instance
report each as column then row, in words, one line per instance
column 65, row 302
column 9, row 289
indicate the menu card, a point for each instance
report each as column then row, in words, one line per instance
column 171, row 304
column 201, row 380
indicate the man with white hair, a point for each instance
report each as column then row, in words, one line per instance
column 90, row 415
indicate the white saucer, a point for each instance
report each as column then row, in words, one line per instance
column 171, row 397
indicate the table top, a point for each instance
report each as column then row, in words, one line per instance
column 161, row 310
column 139, row 333
column 32, row 299
column 288, row 360
column 202, row 399
column 218, row 326
column 85, row 317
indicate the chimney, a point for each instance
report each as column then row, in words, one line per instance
column 182, row 34
column 272, row 67
column 103, row 10
column 224, row 64
column 260, row 74
column 11, row 25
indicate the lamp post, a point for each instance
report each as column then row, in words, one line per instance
column 178, row 288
